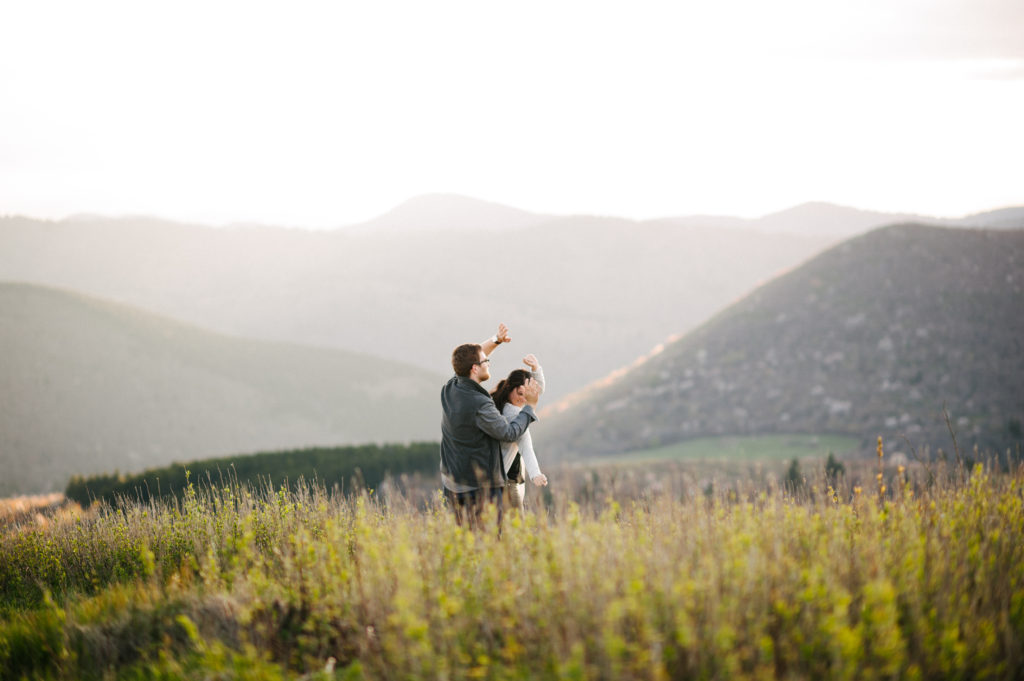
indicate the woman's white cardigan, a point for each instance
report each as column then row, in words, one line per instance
column 524, row 445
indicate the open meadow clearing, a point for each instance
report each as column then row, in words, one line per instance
column 751, row 447
column 919, row 574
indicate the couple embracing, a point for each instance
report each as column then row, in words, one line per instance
column 485, row 441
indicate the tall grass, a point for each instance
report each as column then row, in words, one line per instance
column 924, row 579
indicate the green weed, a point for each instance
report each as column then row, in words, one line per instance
column 918, row 578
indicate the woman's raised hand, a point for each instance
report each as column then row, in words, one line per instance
column 532, row 393
column 531, row 361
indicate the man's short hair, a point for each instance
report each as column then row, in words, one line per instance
column 464, row 357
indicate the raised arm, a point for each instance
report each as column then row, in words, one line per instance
column 535, row 369
column 495, row 340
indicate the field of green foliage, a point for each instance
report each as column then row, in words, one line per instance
column 915, row 574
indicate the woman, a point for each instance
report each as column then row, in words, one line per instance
column 510, row 396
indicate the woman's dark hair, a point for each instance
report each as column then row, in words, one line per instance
column 505, row 386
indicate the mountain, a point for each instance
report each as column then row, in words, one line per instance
column 872, row 338
column 92, row 386
column 586, row 295
column 441, row 212
column 434, row 212
column 816, row 219
column 1003, row 218
column 827, row 219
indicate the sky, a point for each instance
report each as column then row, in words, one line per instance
column 323, row 114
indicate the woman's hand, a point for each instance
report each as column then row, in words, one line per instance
column 531, row 392
column 540, row 480
column 531, row 361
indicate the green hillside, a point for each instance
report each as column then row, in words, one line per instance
column 871, row 338
column 91, row 386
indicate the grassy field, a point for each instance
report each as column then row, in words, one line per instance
column 778, row 447
column 917, row 574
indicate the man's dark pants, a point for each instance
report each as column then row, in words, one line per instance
column 471, row 504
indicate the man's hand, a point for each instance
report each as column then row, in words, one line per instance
column 502, row 334
column 540, row 480
column 496, row 340
column 531, row 361
column 532, row 392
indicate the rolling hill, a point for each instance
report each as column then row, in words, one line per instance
column 91, row 386
column 586, row 295
column 873, row 337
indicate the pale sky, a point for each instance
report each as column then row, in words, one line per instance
column 321, row 114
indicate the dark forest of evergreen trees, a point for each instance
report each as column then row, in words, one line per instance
column 345, row 468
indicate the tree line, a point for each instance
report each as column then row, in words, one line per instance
column 345, row 468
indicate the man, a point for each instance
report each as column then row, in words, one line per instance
column 472, row 429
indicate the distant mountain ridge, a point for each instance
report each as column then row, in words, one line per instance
column 872, row 338
column 821, row 218
column 443, row 267
column 91, row 386
column 814, row 218
column 454, row 212
column 1003, row 218
column 434, row 212
column 586, row 295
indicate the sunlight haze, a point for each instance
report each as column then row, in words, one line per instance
column 317, row 114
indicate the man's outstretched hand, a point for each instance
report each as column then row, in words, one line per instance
column 502, row 334
column 532, row 392
column 496, row 340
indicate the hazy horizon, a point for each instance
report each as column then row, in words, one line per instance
column 457, row 197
